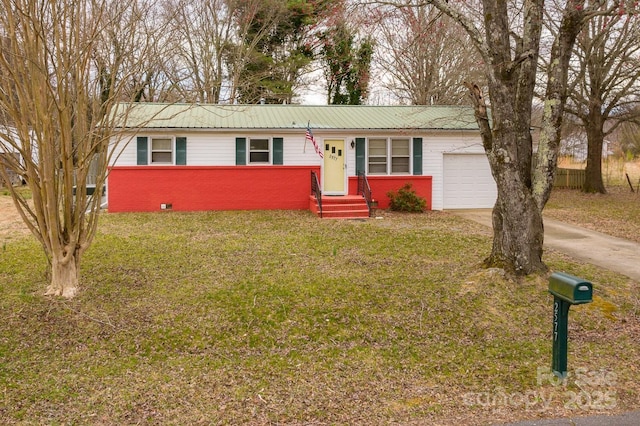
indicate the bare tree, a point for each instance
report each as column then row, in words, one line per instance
column 508, row 41
column 144, row 53
column 629, row 139
column 61, row 84
column 605, row 84
column 424, row 54
column 202, row 34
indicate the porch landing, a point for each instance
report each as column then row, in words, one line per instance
column 340, row 206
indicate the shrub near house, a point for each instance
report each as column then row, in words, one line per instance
column 406, row 200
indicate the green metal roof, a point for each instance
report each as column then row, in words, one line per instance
column 332, row 117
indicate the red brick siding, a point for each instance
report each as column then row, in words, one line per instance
column 380, row 185
column 192, row 188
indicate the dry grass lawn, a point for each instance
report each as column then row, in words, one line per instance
column 281, row 318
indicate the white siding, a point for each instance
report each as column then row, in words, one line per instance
column 125, row 152
column 435, row 146
column 468, row 183
column 206, row 149
column 296, row 153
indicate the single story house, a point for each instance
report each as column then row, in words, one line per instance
column 239, row 157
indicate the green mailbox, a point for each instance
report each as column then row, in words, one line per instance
column 567, row 290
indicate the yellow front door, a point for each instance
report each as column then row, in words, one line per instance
column 334, row 167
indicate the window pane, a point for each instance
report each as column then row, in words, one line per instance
column 161, row 157
column 259, row 145
column 400, row 165
column 378, row 168
column 400, row 147
column 258, row 157
column 161, row 144
column 400, row 150
column 378, row 165
column 378, row 156
column 378, row 147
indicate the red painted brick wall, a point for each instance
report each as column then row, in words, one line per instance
column 380, row 185
column 189, row 188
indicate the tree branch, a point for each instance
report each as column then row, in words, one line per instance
column 482, row 117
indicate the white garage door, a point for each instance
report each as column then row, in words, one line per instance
column 468, row 183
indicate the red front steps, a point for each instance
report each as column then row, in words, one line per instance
column 340, row 206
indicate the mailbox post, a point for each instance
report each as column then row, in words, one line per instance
column 567, row 290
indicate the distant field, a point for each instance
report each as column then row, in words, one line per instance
column 614, row 171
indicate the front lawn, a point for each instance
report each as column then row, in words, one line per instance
column 283, row 318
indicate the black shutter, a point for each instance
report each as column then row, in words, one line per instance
column 361, row 158
column 181, row 151
column 278, row 151
column 417, row 156
column 241, row 151
column 143, row 150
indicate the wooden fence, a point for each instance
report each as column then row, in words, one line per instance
column 569, row 178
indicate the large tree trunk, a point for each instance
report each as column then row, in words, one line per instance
column 595, row 136
column 518, row 231
column 64, row 276
column 517, row 221
column 518, row 235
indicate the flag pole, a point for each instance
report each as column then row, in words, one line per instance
column 304, row 149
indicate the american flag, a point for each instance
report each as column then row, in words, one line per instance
column 309, row 136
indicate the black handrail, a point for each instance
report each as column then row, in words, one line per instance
column 365, row 190
column 315, row 190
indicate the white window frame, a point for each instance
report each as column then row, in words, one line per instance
column 269, row 151
column 407, row 156
column 172, row 151
column 389, row 156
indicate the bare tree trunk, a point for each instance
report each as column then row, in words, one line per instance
column 518, row 236
column 64, row 276
column 518, row 231
column 593, row 182
column 605, row 80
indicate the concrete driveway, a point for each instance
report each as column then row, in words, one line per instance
column 614, row 254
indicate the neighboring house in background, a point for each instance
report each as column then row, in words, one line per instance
column 13, row 177
column 575, row 147
column 243, row 157
column 8, row 151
